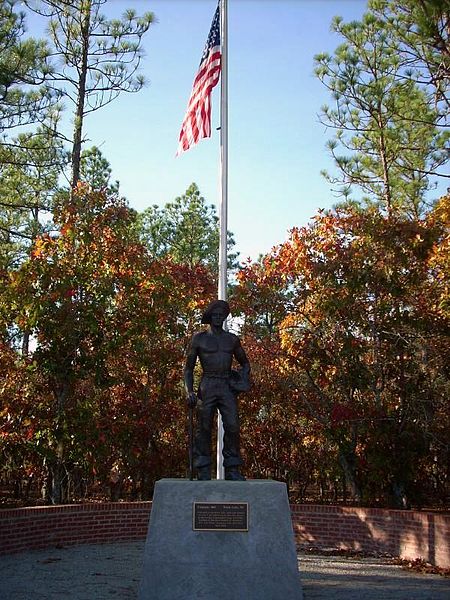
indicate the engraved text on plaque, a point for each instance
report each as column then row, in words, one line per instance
column 220, row 516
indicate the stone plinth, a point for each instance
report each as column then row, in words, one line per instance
column 183, row 564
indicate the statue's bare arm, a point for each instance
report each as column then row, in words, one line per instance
column 241, row 357
column 191, row 359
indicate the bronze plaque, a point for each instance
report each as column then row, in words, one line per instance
column 220, row 516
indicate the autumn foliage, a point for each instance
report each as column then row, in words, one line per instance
column 346, row 325
column 111, row 326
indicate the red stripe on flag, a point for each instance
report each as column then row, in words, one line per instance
column 197, row 121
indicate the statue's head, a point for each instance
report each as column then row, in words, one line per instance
column 217, row 307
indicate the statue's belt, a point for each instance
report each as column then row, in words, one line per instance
column 216, row 375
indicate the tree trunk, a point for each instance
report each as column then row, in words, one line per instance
column 57, row 468
column 347, row 461
column 400, row 499
column 57, row 490
column 26, row 342
column 387, row 184
column 79, row 112
column 344, row 487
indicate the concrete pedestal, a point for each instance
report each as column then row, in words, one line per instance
column 183, row 564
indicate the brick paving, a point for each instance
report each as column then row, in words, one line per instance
column 108, row 571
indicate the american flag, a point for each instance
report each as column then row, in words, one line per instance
column 197, row 121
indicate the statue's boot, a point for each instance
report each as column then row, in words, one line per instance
column 204, row 473
column 232, row 474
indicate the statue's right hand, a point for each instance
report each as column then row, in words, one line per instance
column 192, row 399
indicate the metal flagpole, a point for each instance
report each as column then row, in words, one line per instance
column 223, row 207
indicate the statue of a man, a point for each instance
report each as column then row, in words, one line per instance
column 219, row 387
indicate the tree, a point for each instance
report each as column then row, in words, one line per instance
column 27, row 189
column 63, row 295
column 262, row 291
column 24, row 96
column 423, row 30
column 29, row 162
column 361, row 346
column 387, row 122
column 96, row 170
column 279, row 438
column 186, row 230
column 23, row 421
column 27, row 186
column 440, row 256
column 98, row 58
column 111, row 325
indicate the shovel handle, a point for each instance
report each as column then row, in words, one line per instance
column 191, row 443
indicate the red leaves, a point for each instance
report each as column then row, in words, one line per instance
column 337, row 303
column 110, row 324
column 341, row 412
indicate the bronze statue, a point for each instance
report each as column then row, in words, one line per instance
column 219, row 387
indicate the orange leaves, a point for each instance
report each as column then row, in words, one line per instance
column 331, row 309
column 66, row 229
column 322, row 318
column 439, row 260
column 41, row 246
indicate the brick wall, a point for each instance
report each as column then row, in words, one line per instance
column 42, row 527
column 400, row 533
column 407, row 534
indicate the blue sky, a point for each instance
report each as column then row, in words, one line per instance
column 276, row 142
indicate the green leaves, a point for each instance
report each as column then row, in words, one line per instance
column 185, row 230
column 22, row 64
column 386, row 117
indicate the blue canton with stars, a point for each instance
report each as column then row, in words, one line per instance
column 214, row 35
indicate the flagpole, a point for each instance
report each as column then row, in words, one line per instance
column 223, row 206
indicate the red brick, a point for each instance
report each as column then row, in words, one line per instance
column 396, row 532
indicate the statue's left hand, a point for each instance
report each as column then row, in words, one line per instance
column 192, row 399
